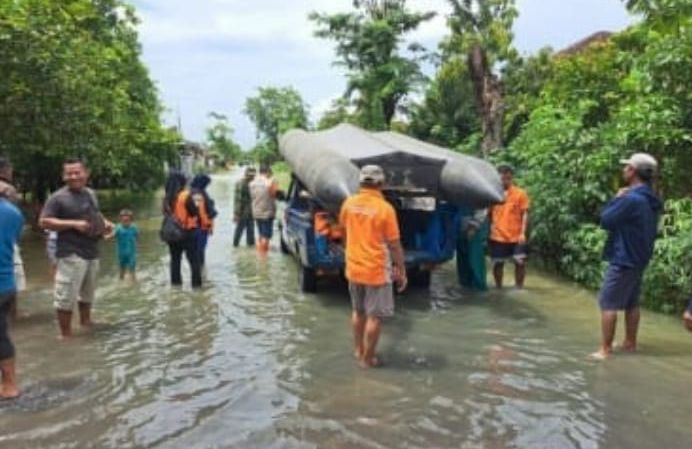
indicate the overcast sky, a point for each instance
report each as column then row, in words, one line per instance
column 210, row 55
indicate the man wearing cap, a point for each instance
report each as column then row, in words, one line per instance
column 631, row 219
column 372, row 245
column 242, row 209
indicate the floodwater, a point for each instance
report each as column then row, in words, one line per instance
column 250, row 362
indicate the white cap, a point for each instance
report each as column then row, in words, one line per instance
column 641, row 161
column 371, row 174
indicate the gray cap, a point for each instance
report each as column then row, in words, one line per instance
column 372, row 174
column 641, row 161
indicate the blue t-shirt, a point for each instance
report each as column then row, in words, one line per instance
column 11, row 224
column 126, row 237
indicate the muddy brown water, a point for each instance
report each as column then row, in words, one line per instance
column 250, row 362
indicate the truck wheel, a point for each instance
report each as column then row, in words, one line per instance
column 420, row 278
column 283, row 245
column 308, row 280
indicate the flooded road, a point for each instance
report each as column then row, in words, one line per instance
column 250, row 362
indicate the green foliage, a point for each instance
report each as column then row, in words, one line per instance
column 368, row 42
column 612, row 99
column 484, row 23
column 448, row 114
column 339, row 112
column 72, row 83
column 220, row 139
column 274, row 111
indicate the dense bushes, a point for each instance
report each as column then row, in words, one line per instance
column 628, row 94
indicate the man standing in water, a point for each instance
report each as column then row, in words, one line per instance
column 11, row 223
column 508, row 230
column 242, row 209
column 372, row 244
column 631, row 219
column 73, row 212
column 263, row 190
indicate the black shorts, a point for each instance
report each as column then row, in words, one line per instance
column 500, row 252
column 621, row 288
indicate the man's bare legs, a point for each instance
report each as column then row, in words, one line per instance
column 358, row 320
column 85, row 314
column 8, row 388
column 65, row 323
column 631, row 329
column 498, row 273
column 373, row 327
column 520, row 273
column 608, row 324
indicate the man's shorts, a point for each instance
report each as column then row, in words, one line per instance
column 75, row 280
column 621, row 288
column 500, row 252
column 265, row 228
column 373, row 301
column 127, row 261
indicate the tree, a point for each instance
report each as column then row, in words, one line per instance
column 220, row 139
column 448, row 114
column 274, row 111
column 481, row 34
column 368, row 42
column 72, row 83
column 339, row 112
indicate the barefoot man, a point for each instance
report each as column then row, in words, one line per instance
column 11, row 222
column 372, row 245
column 73, row 212
column 631, row 219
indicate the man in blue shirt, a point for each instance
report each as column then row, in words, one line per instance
column 631, row 219
column 11, row 223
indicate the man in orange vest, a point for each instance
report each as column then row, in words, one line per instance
column 372, row 245
column 508, row 230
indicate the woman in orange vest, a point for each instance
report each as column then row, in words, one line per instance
column 207, row 214
column 179, row 203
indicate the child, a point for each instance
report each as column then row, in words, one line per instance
column 126, row 234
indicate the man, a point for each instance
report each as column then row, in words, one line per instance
column 73, row 212
column 631, row 220
column 11, row 223
column 508, row 230
column 263, row 191
column 372, row 244
column 242, row 209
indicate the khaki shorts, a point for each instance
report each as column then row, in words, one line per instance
column 75, row 280
column 373, row 301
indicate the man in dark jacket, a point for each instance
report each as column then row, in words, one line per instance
column 631, row 219
column 242, row 209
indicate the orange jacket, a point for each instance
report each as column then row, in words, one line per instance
column 206, row 223
column 186, row 220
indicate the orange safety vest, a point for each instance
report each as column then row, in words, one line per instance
column 324, row 226
column 186, row 220
column 206, row 223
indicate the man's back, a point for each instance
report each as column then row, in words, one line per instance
column 11, row 222
column 262, row 191
column 370, row 222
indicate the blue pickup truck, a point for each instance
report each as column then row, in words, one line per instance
column 429, row 229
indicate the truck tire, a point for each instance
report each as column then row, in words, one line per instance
column 308, row 279
column 283, row 245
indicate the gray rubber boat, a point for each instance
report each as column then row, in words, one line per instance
column 327, row 163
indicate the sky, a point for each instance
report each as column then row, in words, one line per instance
column 210, row 55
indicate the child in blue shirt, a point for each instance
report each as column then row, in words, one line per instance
column 126, row 235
